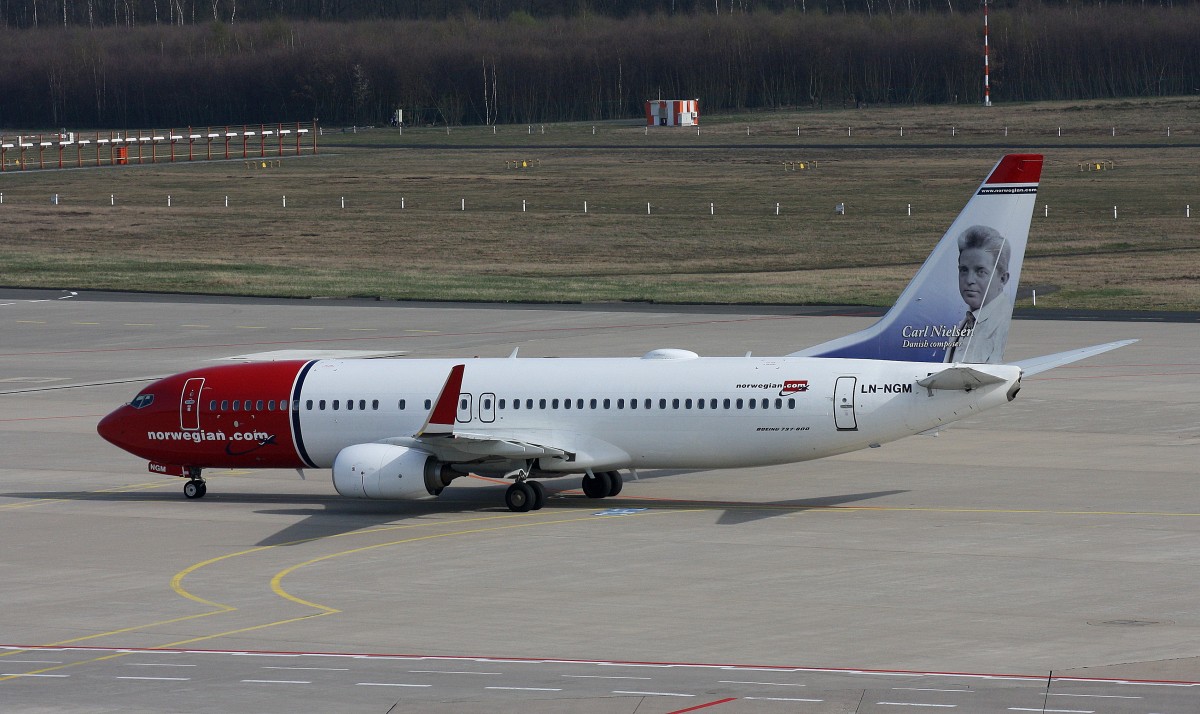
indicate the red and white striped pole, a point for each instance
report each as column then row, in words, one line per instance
column 987, row 90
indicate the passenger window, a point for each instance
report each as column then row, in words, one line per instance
column 791, row 404
column 699, row 403
column 607, row 403
column 321, row 405
column 501, row 405
column 375, row 404
column 541, row 404
column 726, row 403
column 212, row 406
column 579, row 404
column 487, row 403
column 237, row 404
column 593, row 404
column 620, row 404
column 529, row 404
column 554, row 404
column 428, row 403
column 362, row 404
column 674, row 403
column 712, row 404
column 270, row 405
column 633, row 403
column 401, row 405
column 778, row 403
column 566, row 404
column 753, row 403
column 648, row 402
column 335, row 405
column 739, row 404
column 224, row 405
column 462, row 404
column 516, row 403
column 687, row 403
column 296, row 405
column 308, row 405
column 258, row 406
column 350, row 405
column 662, row 403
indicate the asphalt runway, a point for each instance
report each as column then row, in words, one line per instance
column 1042, row 556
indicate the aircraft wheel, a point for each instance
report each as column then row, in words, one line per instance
column 598, row 485
column 617, row 482
column 194, row 489
column 519, row 497
column 539, row 494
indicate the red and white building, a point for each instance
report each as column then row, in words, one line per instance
column 672, row 112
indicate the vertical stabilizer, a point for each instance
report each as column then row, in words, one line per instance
column 959, row 305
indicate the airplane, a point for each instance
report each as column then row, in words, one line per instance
column 406, row 428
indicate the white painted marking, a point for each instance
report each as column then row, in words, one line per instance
column 930, row 689
column 600, row 676
column 52, row 676
column 918, row 704
column 156, row 664
column 34, row 661
column 782, row 699
column 274, row 681
column 321, row 669
column 1055, row 711
column 443, row 671
column 655, row 694
column 1094, row 696
column 773, row 684
column 527, row 689
column 390, row 684
column 159, row 679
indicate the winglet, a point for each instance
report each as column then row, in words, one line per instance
column 445, row 409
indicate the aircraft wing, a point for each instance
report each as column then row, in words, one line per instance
column 1037, row 365
column 441, row 437
column 462, row 447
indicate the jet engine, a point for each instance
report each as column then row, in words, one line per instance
column 385, row 471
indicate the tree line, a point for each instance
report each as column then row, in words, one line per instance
column 524, row 69
column 134, row 13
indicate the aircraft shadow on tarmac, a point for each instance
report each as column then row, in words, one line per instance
column 325, row 516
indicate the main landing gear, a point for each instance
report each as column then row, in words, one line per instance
column 525, row 496
column 602, row 484
column 195, row 487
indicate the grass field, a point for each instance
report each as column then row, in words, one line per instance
column 403, row 233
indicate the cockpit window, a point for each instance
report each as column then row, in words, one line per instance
column 142, row 400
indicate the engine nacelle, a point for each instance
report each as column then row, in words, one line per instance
column 385, row 471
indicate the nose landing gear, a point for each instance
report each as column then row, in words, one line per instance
column 195, row 487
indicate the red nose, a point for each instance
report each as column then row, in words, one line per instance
column 110, row 428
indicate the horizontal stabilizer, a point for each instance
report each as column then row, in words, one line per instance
column 1037, row 365
column 961, row 378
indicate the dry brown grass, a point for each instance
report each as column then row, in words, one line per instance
column 1079, row 256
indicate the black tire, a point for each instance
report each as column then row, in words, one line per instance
column 519, row 497
column 194, row 489
column 539, row 494
column 597, row 485
column 203, row 489
column 617, row 482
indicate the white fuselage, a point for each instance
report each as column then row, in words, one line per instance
column 686, row 412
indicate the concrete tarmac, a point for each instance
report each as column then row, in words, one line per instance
column 1055, row 539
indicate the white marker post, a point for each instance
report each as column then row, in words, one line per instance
column 1114, row 213
column 343, row 201
column 522, row 205
column 777, row 208
column 168, row 200
column 647, row 208
column 227, row 201
column 585, row 206
column 112, row 199
column 464, row 204
column 402, row 203
column 285, row 201
column 712, row 209
column 910, row 209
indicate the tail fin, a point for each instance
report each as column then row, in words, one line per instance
column 959, row 305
